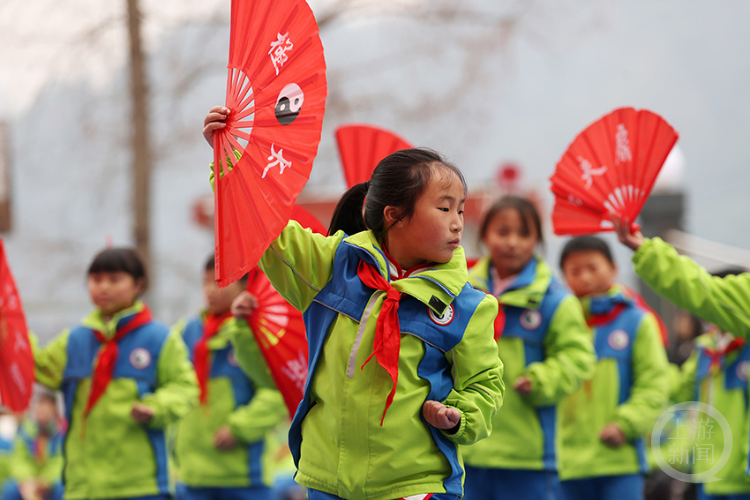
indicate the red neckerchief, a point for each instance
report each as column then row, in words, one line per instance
column 108, row 355
column 603, row 319
column 717, row 355
column 387, row 343
column 211, row 326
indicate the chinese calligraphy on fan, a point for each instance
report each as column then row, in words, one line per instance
column 278, row 51
column 277, row 159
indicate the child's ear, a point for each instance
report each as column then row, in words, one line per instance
column 391, row 215
column 140, row 285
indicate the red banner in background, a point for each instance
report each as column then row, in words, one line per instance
column 16, row 358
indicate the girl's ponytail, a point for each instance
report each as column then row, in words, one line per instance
column 348, row 213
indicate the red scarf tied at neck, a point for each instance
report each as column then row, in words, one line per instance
column 387, row 344
column 211, row 326
column 108, row 355
column 717, row 355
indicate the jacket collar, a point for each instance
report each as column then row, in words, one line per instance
column 435, row 285
column 604, row 303
column 96, row 321
column 528, row 289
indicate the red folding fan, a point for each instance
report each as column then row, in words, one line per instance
column 610, row 168
column 16, row 358
column 361, row 147
column 276, row 92
column 279, row 329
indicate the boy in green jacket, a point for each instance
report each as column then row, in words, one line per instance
column 36, row 463
column 124, row 379
column 220, row 446
column 603, row 454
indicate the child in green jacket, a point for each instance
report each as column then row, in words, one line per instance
column 402, row 365
column 36, row 465
column 546, row 348
column 220, row 445
column 605, row 423
column 124, row 379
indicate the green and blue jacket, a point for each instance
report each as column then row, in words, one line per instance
column 108, row 454
column 29, row 462
column 249, row 409
column 630, row 387
column 722, row 382
column 447, row 354
column 546, row 339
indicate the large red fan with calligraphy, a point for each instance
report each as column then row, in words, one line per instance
column 361, row 147
column 276, row 92
column 16, row 358
column 279, row 328
column 610, row 168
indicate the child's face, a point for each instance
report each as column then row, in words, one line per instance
column 433, row 232
column 219, row 300
column 589, row 273
column 45, row 411
column 511, row 242
column 113, row 292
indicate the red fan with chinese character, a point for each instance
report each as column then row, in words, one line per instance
column 276, row 92
column 361, row 147
column 16, row 358
column 610, row 168
column 279, row 329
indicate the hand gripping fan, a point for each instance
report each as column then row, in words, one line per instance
column 16, row 358
column 610, row 168
column 279, row 329
column 276, row 92
column 361, row 147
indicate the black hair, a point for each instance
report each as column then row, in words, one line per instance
column 523, row 206
column 729, row 271
column 584, row 244
column 114, row 260
column 398, row 181
column 210, row 265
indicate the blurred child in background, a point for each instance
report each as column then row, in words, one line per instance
column 220, row 445
column 124, row 378
column 546, row 348
column 603, row 454
column 36, row 464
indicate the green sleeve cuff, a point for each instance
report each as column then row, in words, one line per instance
column 461, row 427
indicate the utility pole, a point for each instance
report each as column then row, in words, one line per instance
column 140, row 144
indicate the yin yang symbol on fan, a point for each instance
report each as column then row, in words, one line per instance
column 289, row 103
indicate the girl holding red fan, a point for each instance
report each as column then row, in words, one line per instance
column 547, row 352
column 390, row 284
column 124, row 378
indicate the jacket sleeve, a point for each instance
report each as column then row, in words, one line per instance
column 569, row 357
column 477, row 376
column 50, row 361
column 251, row 422
column 650, row 387
column 177, row 390
column 684, row 389
column 23, row 463
column 723, row 301
column 299, row 263
column 248, row 355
